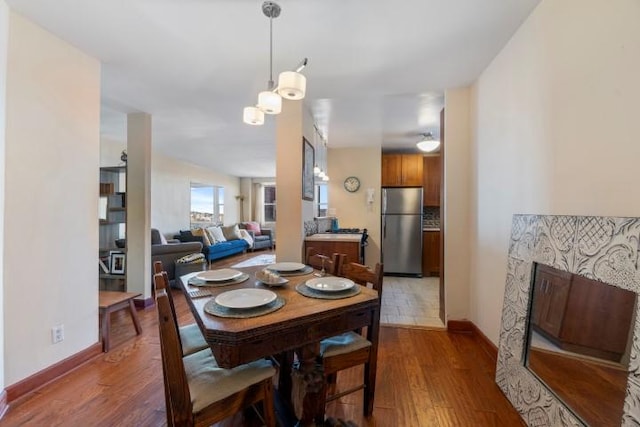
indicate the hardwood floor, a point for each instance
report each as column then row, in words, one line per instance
column 425, row 378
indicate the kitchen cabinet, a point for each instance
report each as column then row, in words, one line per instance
column 431, row 253
column 402, row 170
column 431, row 180
column 581, row 315
column 328, row 247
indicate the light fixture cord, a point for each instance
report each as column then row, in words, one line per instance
column 271, row 84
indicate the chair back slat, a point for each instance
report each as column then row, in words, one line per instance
column 364, row 275
column 332, row 264
column 158, row 267
column 175, row 379
column 161, row 282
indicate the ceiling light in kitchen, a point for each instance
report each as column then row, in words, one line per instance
column 428, row 143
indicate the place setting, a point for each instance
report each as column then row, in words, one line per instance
column 244, row 303
column 328, row 287
column 220, row 277
column 287, row 269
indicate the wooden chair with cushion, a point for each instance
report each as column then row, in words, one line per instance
column 351, row 348
column 331, row 264
column 191, row 337
column 197, row 391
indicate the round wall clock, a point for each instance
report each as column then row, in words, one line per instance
column 351, row 184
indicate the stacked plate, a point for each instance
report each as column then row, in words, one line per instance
column 221, row 275
column 330, row 284
column 245, row 298
column 287, row 267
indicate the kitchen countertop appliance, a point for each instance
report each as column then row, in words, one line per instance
column 402, row 231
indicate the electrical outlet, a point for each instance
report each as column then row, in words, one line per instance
column 57, row 334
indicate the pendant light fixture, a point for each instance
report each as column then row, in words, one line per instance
column 428, row 143
column 291, row 84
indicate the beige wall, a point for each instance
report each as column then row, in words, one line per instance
column 51, row 199
column 556, row 131
column 352, row 209
column 456, row 211
column 4, row 42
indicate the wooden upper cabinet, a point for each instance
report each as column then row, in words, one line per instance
column 431, row 183
column 402, row 170
column 412, row 170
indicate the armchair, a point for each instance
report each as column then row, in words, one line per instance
column 168, row 251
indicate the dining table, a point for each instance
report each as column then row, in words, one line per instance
column 296, row 326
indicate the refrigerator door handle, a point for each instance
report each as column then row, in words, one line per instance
column 384, row 200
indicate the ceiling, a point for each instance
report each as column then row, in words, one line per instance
column 376, row 75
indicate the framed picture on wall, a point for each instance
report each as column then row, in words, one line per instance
column 117, row 263
column 308, row 161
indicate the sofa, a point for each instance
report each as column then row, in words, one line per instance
column 168, row 251
column 215, row 247
column 262, row 237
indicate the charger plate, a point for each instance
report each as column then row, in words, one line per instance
column 217, row 310
column 303, row 289
column 195, row 281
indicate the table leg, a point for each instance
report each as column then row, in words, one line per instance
column 308, row 386
column 134, row 316
column 105, row 315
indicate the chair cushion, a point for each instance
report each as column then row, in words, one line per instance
column 209, row 383
column 262, row 238
column 344, row 343
column 192, row 339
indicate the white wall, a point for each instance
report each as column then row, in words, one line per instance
column 4, row 46
column 556, row 131
column 171, row 193
column 352, row 209
column 51, row 203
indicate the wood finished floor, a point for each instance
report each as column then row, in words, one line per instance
column 425, row 378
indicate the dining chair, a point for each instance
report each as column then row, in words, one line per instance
column 329, row 264
column 197, row 391
column 351, row 348
column 191, row 337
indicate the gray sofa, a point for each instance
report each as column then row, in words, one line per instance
column 262, row 241
column 168, row 253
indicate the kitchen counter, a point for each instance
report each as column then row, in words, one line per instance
column 430, row 229
column 334, row 237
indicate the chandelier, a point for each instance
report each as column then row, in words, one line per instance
column 291, row 84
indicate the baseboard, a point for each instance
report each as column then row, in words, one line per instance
column 3, row 403
column 143, row 303
column 467, row 326
column 51, row 373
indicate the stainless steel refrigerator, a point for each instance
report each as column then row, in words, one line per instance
column 402, row 231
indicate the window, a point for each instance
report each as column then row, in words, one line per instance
column 322, row 200
column 207, row 205
column 269, row 203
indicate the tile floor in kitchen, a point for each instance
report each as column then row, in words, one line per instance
column 411, row 302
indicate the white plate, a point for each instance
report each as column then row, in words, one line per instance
column 245, row 298
column 219, row 275
column 287, row 266
column 330, row 284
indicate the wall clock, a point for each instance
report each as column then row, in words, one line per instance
column 351, row 184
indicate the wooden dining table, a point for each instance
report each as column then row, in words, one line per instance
column 297, row 327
